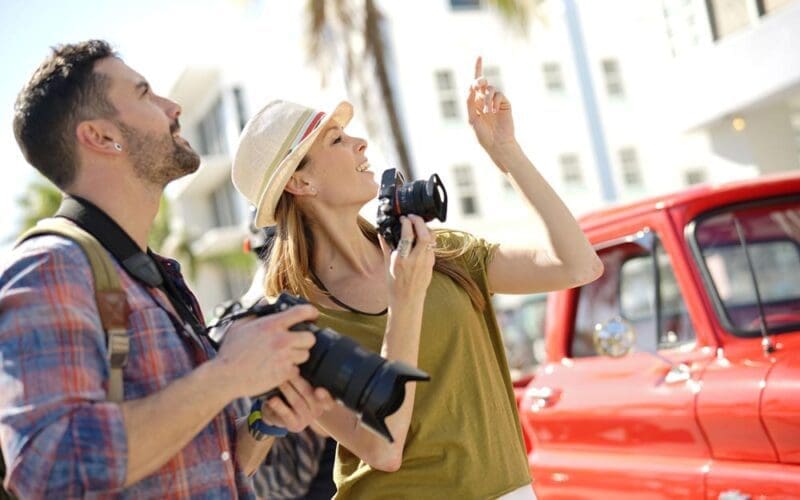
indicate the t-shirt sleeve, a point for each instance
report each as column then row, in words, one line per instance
column 475, row 254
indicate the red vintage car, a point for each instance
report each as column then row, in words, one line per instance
column 677, row 373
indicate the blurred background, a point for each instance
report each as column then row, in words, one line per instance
column 614, row 100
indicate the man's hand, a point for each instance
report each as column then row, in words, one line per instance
column 260, row 354
column 305, row 405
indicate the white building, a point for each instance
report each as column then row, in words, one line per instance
column 735, row 81
column 613, row 100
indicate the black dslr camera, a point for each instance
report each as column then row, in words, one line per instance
column 428, row 199
column 368, row 384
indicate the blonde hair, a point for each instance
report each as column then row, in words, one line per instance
column 290, row 257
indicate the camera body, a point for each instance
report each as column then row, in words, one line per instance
column 363, row 381
column 427, row 199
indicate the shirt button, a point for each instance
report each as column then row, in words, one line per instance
column 225, row 456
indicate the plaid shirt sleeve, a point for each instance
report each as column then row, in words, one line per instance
column 60, row 437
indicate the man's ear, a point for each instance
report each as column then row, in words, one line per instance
column 100, row 136
column 298, row 185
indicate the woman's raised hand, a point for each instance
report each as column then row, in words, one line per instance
column 489, row 113
column 410, row 266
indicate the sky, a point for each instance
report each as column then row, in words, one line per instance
column 155, row 37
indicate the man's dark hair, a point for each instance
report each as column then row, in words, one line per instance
column 63, row 91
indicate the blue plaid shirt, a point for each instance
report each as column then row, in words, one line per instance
column 60, row 437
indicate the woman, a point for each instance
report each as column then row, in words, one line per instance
column 427, row 306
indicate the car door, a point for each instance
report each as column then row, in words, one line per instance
column 749, row 255
column 622, row 427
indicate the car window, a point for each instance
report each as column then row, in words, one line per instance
column 765, row 265
column 627, row 290
column 522, row 326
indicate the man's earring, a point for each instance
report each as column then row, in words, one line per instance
column 313, row 190
column 118, row 146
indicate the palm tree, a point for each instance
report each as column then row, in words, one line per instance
column 40, row 200
column 335, row 23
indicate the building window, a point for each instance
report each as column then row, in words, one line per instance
column 553, row 79
column 571, row 174
column 613, row 76
column 729, row 16
column 211, row 138
column 465, row 4
column 448, row 96
column 224, row 205
column 631, row 170
column 695, row 175
column 687, row 24
column 465, row 186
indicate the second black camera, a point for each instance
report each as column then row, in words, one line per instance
column 427, row 199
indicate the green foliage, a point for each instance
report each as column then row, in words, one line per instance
column 40, row 200
column 160, row 228
column 234, row 260
column 517, row 13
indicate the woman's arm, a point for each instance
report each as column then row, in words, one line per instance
column 408, row 278
column 568, row 260
column 401, row 344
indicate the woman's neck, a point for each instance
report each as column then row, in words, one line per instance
column 341, row 249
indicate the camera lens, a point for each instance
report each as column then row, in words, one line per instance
column 427, row 199
column 363, row 381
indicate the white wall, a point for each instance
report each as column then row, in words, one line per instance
column 737, row 72
column 767, row 142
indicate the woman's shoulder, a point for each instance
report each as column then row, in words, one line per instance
column 453, row 239
column 460, row 246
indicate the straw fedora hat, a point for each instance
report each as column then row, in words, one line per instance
column 271, row 146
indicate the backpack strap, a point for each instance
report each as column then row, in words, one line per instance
column 112, row 302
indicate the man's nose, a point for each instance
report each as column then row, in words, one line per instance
column 172, row 108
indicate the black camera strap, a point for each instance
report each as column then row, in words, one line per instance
column 138, row 264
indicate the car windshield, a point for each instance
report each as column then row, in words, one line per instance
column 751, row 260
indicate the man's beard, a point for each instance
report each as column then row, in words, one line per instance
column 158, row 159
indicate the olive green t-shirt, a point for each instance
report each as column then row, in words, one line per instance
column 465, row 438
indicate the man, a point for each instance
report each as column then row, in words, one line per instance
column 95, row 128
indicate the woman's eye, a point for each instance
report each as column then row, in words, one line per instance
column 337, row 140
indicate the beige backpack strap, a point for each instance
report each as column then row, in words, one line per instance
column 112, row 303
